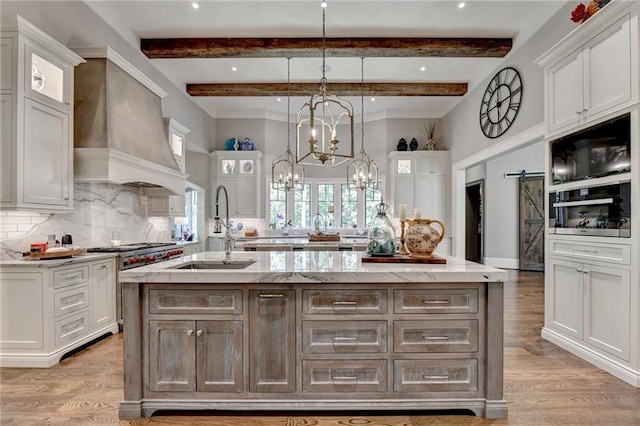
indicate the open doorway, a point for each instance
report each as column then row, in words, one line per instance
column 474, row 244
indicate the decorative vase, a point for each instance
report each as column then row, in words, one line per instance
column 413, row 145
column 431, row 145
column 421, row 239
column 381, row 239
column 402, row 145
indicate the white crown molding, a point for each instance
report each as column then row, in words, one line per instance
column 113, row 56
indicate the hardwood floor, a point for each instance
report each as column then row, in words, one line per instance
column 544, row 385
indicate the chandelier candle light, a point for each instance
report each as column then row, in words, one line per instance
column 285, row 174
column 326, row 117
column 362, row 171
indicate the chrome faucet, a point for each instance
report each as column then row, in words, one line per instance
column 228, row 238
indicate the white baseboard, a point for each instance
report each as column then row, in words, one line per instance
column 607, row 364
column 502, row 262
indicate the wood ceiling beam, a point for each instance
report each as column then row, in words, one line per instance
column 159, row 48
column 341, row 89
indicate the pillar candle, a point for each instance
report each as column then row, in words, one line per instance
column 403, row 212
column 416, row 214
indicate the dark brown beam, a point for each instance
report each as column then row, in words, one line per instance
column 342, row 89
column 157, row 48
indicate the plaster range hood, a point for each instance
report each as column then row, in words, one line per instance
column 120, row 134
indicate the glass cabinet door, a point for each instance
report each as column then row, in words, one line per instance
column 46, row 80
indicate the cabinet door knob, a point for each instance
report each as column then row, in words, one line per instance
column 579, row 113
column 189, row 332
column 199, row 333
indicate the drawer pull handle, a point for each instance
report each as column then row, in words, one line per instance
column 189, row 332
column 271, row 295
column 345, row 303
column 439, row 338
column 436, row 377
column 71, row 327
column 72, row 277
column 344, row 377
column 344, row 339
column 586, row 251
column 435, row 302
column 73, row 301
column 102, row 266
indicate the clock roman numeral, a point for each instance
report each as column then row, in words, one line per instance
column 514, row 106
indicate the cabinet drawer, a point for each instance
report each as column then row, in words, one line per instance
column 435, row 375
column 344, row 302
column 435, row 336
column 68, row 301
column 321, row 337
column 344, row 376
column 195, row 301
column 436, row 301
column 70, row 329
column 603, row 252
column 70, row 276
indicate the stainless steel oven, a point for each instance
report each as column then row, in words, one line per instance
column 136, row 255
column 597, row 210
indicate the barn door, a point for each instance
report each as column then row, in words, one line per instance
column 531, row 223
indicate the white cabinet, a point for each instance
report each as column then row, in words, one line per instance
column 46, row 312
column 590, row 304
column 37, row 121
column 177, row 134
column 162, row 205
column 241, row 174
column 579, row 85
column 420, row 180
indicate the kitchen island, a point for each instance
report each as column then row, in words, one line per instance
column 312, row 331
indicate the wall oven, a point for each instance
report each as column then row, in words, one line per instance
column 597, row 210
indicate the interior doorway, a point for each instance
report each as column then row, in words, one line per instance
column 531, row 223
column 474, row 244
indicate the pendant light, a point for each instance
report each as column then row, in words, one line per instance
column 285, row 174
column 324, row 122
column 362, row 171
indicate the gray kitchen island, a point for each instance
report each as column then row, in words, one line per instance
column 312, row 331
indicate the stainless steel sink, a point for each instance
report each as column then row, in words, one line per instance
column 215, row 264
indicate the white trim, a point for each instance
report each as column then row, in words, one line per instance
column 29, row 30
column 607, row 364
column 113, row 56
column 175, row 124
column 458, row 178
column 502, row 262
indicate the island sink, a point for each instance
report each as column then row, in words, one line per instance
column 216, row 264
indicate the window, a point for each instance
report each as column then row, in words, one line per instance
column 331, row 199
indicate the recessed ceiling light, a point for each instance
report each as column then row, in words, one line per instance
column 423, row 69
column 234, row 69
column 195, row 5
column 279, row 99
column 460, row 5
column 373, row 99
column 323, row 4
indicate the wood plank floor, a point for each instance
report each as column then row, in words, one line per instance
column 544, row 385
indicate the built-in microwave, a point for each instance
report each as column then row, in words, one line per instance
column 600, row 150
column 598, row 210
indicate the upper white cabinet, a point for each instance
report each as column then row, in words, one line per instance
column 177, row 134
column 36, row 92
column 420, row 180
column 241, row 174
column 581, row 85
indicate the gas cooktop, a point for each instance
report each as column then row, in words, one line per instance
column 128, row 247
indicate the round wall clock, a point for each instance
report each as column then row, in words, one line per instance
column 501, row 102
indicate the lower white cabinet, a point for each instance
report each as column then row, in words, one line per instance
column 590, row 304
column 46, row 312
column 172, row 205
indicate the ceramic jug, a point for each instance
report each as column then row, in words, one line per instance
column 421, row 239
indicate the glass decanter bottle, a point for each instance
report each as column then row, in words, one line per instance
column 381, row 239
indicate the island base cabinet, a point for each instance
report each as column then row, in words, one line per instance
column 272, row 344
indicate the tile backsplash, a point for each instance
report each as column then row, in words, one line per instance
column 99, row 209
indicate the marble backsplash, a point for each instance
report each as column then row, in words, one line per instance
column 100, row 209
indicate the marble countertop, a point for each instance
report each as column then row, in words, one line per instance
column 310, row 267
column 28, row 262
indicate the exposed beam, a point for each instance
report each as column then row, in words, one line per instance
column 342, row 89
column 157, row 48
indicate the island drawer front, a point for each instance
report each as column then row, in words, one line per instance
column 344, row 376
column 65, row 302
column 603, row 252
column 435, row 375
column 321, row 337
column 436, row 301
column 331, row 302
column 70, row 276
column 435, row 336
column 191, row 301
column 71, row 328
